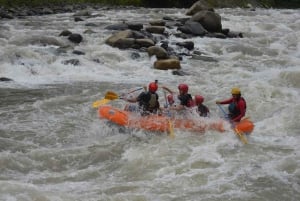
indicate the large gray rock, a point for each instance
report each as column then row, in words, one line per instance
column 211, row 21
column 194, row 28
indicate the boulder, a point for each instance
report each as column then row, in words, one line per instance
column 144, row 42
column 135, row 26
column 155, row 29
column 157, row 23
column 166, row 64
column 121, row 26
column 159, row 52
column 112, row 40
column 65, row 33
column 211, row 21
column 194, row 28
column 75, row 38
column 187, row 44
column 124, row 43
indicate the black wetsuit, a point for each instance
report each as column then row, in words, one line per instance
column 203, row 110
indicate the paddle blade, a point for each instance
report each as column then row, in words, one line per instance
column 98, row 103
column 111, row 95
column 171, row 130
column 241, row 135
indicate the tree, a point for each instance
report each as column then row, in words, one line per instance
column 168, row 3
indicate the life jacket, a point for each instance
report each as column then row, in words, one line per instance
column 233, row 108
column 203, row 110
column 149, row 102
column 153, row 101
column 186, row 100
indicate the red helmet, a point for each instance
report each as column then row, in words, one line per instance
column 183, row 87
column 199, row 99
column 170, row 99
column 152, row 87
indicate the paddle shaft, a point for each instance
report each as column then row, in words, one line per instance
column 225, row 114
column 134, row 91
column 109, row 96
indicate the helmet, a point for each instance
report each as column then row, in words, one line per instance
column 199, row 99
column 183, row 87
column 152, row 87
column 170, row 99
column 235, row 91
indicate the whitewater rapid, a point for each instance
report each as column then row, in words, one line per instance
column 54, row 147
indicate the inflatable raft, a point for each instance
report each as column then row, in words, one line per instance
column 155, row 122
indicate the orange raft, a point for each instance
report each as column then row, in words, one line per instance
column 245, row 125
column 156, row 122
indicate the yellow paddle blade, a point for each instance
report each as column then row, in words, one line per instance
column 241, row 135
column 111, row 95
column 98, row 103
column 171, row 129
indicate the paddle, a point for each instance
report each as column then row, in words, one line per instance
column 225, row 114
column 109, row 96
column 171, row 127
column 236, row 130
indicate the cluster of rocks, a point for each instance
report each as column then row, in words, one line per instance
column 153, row 37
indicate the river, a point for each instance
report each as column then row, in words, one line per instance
column 53, row 146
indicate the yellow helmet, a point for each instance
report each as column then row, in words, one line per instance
column 235, row 91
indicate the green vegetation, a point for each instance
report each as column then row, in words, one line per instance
column 156, row 3
column 287, row 3
column 12, row 3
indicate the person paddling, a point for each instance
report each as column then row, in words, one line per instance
column 148, row 101
column 237, row 105
column 202, row 109
column 184, row 97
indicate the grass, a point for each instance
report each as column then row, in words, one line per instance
column 16, row 3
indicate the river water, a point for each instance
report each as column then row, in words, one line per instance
column 54, row 147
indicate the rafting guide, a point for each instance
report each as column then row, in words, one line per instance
column 237, row 105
